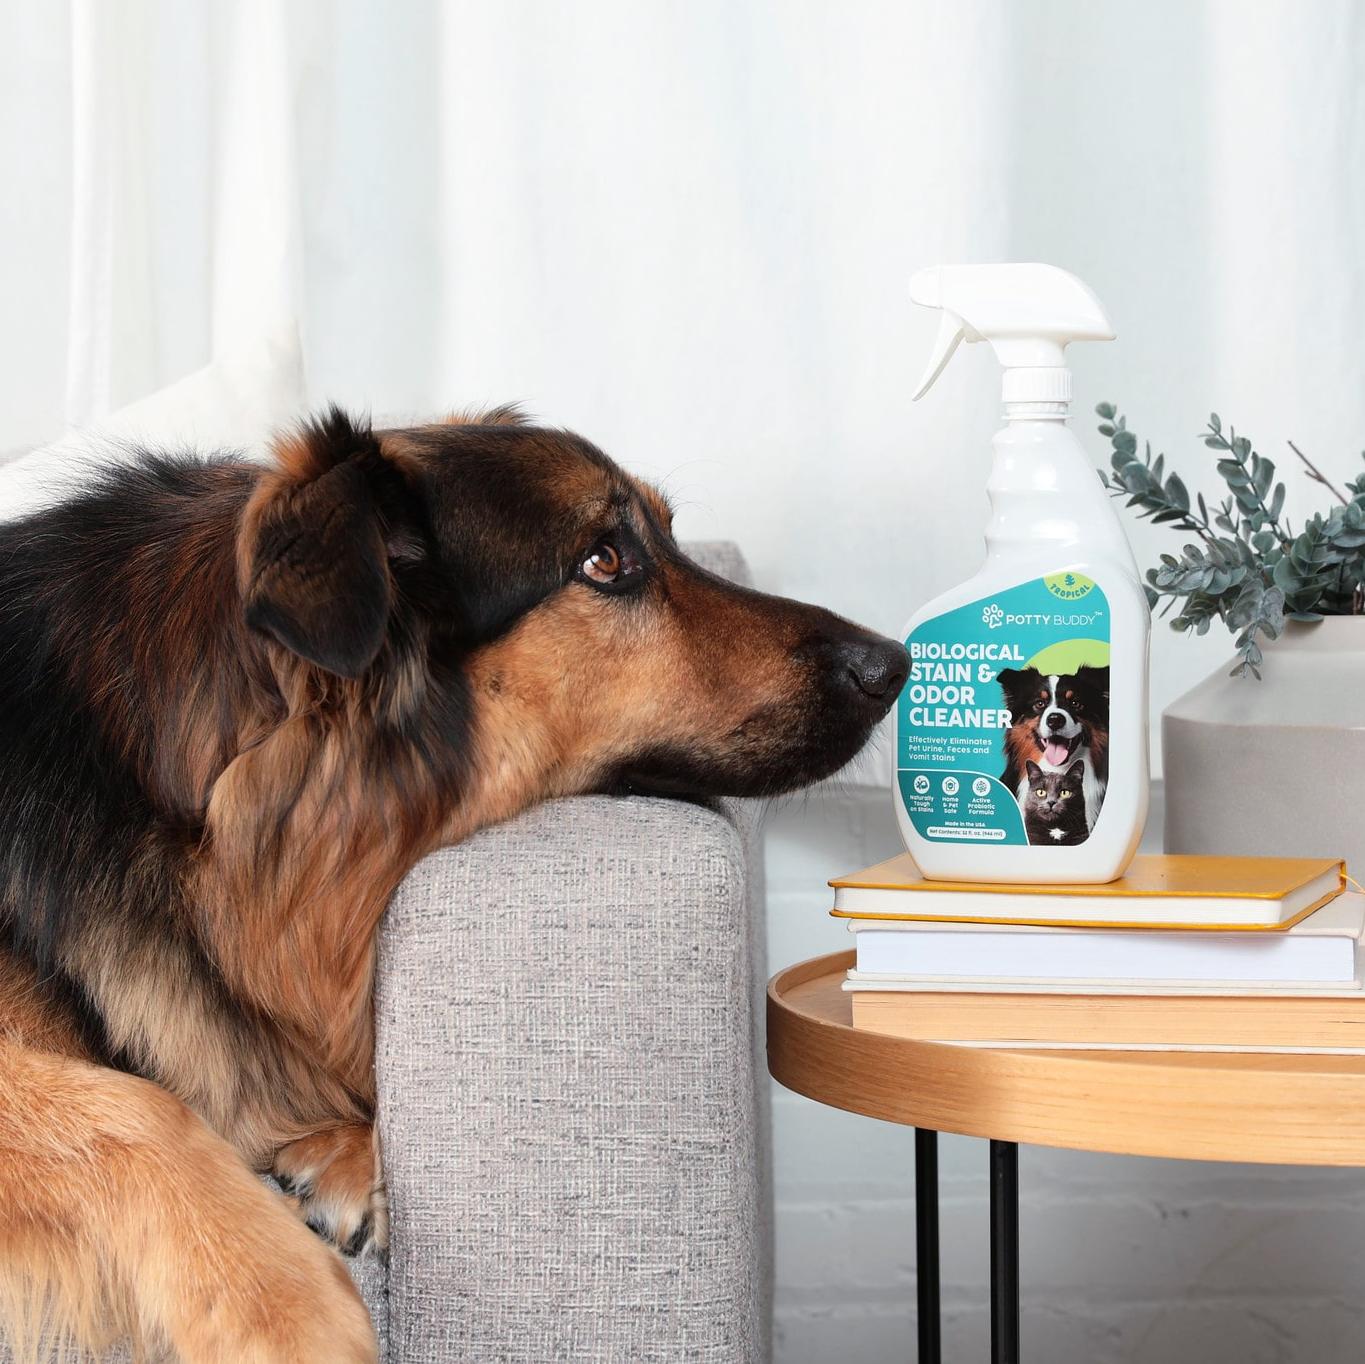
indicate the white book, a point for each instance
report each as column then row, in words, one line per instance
column 1323, row 951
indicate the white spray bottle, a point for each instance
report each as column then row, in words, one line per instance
column 1021, row 735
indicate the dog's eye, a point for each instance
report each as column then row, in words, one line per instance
column 1038, row 706
column 604, row 564
column 612, row 566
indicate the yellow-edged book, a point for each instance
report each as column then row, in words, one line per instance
column 1212, row 894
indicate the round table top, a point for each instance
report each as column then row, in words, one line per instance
column 1299, row 1110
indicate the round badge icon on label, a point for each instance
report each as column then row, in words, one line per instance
column 921, row 784
column 1068, row 586
column 950, row 786
column 981, row 786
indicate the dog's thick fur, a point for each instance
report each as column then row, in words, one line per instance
column 238, row 704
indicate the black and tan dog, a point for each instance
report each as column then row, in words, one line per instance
column 237, row 706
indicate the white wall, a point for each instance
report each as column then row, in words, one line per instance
column 684, row 228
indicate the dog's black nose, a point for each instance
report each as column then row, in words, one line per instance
column 879, row 666
column 1055, row 721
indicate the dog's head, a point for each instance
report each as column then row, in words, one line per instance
column 1057, row 713
column 509, row 594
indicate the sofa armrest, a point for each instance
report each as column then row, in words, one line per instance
column 571, row 1121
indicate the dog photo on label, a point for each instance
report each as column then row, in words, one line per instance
column 1057, row 721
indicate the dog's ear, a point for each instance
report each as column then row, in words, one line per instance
column 1035, row 773
column 1019, row 686
column 316, row 570
column 1094, row 677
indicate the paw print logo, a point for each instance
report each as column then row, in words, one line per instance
column 993, row 616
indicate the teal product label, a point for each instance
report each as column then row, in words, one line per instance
column 1002, row 730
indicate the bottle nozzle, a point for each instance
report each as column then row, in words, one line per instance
column 1029, row 314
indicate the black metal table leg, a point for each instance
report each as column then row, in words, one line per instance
column 1004, row 1252
column 926, row 1245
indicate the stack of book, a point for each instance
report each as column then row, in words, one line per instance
column 1182, row 953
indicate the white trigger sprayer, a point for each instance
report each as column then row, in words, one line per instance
column 1028, row 313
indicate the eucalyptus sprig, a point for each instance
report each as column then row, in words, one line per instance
column 1246, row 566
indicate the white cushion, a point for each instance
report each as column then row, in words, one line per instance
column 233, row 403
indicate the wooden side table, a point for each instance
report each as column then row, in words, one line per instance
column 1297, row 1110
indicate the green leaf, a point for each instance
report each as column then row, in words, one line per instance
column 1106, row 410
column 1262, row 473
column 1214, row 422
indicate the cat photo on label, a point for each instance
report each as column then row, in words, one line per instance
column 1054, row 805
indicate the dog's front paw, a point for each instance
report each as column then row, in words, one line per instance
column 335, row 1178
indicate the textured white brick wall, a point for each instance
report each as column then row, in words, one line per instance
column 1123, row 1259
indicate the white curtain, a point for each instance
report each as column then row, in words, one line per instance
column 185, row 227
column 684, row 227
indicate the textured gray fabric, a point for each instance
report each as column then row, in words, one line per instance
column 721, row 557
column 371, row 1276
column 569, row 1111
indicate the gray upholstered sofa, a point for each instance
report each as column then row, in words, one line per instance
column 573, row 1131
column 574, row 1126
